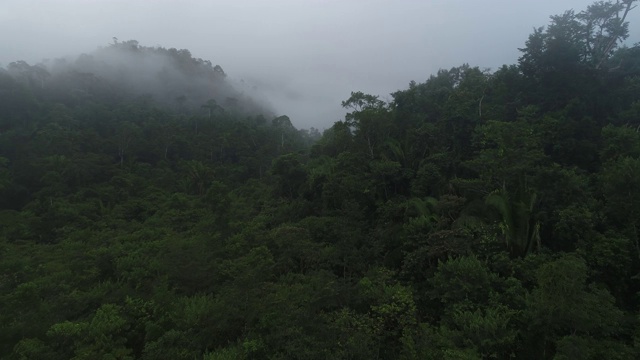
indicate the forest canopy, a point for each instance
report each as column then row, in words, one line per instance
column 148, row 210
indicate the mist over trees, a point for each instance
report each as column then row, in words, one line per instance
column 126, row 70
column 150, row 211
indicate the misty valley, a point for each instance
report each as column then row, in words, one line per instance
column 152, row 208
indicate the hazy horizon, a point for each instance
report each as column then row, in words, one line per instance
column 304, row 56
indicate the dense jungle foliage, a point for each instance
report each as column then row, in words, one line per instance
column 478, row 215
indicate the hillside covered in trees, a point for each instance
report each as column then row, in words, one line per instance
column 148, row 210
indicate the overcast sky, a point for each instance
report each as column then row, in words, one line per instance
column 306, row 56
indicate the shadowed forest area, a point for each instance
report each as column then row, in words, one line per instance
column 148, row 210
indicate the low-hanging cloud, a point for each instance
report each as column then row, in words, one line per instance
column 303, row 56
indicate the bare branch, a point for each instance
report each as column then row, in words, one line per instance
column 614, row 39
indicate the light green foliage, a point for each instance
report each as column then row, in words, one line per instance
column 229, row 353
column 490, row 331
column 564, row 303
column 101, row 338
column 477, row 317
column 395, row 308
column 173, row 344
column 33, row 349
column 354, row 335
column 619, row 141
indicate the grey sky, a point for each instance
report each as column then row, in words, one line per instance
column 305, row 56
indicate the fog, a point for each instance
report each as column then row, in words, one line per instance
column 305, row 57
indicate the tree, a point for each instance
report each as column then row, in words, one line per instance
column 509, row 153
column 211, row 105
column 589, row 37
column 103, row 336
column 290, row 175
column 127, row 133
column 563, row 303
column 369, row 119
column 32, row 76
column 565, row 60
column 199, row 177
column 620, row 184
column 604, row 27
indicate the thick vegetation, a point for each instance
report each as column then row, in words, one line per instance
column 477, row 215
